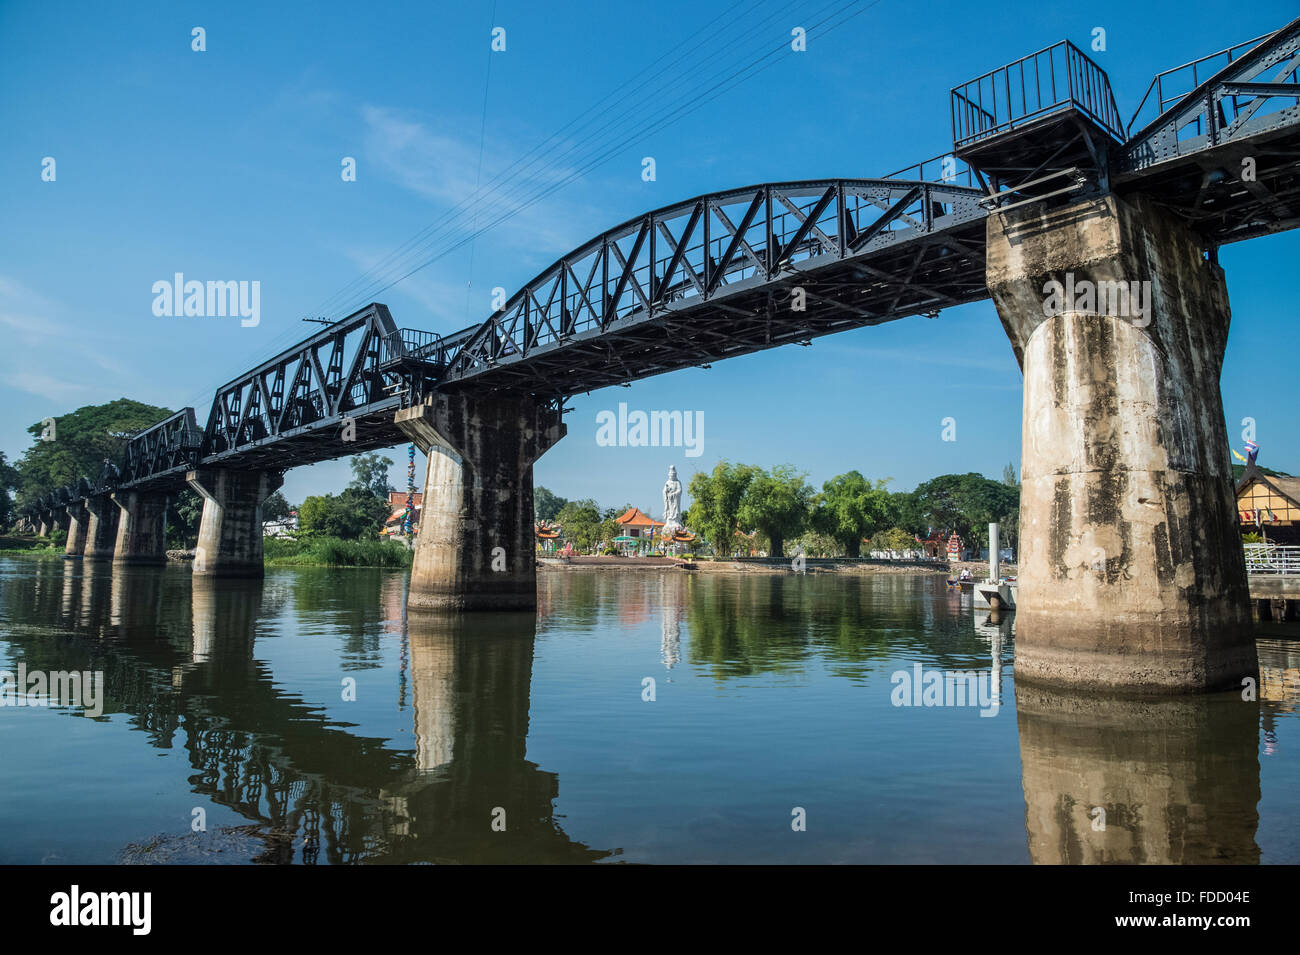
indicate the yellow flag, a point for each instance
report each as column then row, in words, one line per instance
column 1237, row 456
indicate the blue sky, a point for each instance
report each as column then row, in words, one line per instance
column 225, row 164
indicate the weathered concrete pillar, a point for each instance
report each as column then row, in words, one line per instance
column 1131, row 573
column 101, row 532
column 475, row 549
column 141, row 528
column 230, row 533
column 45, row 525
column 78, row 519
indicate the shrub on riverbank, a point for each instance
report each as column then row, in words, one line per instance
column 334, row 552
column 30, row 546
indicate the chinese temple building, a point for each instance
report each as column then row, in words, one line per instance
column 548, row 537
column 638, row 531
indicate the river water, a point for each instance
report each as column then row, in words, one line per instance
column 657, row 716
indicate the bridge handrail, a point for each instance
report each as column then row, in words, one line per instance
column 1272, row 560
column 1162, row 102
column 1083, row 85
column 923, row 171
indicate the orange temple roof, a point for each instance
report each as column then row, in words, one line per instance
column 635, row 517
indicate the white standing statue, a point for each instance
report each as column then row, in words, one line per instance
column 672, row 503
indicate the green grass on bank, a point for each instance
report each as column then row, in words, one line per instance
column 29, row 546
column 333, row 552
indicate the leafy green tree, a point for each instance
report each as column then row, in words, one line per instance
column 816, row 544
column 965, row 503
column 1009, row 532
column 276, row 508
column 8, row 481
column 183, row 518
column 777, row 502
column 715, row 503
column 896, row 538
column 850, row 508
column 907, row 514
column 546, row 505
column 581, row 521
column 82, row 440
column 355, row 514
column 370, row 474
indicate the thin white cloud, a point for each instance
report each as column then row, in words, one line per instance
column 445, row 169
column 52, row 389
column 34, row 321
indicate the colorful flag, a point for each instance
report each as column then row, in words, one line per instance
column 1237, row 456
column 1252, row 451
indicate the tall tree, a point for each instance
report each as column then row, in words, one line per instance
column 184, row 517
column 715, row 503
column 8, row 481
column 355, row 514
column 276, row 508
column 370, row 474
column 777, row 502
column 581, row 522
column 546, row 505
column 79, row 442
column 850, row 508
column 1009, row 476
column 965, row 503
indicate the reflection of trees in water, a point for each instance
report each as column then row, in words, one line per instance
column 593, row 599
column 1177, row 779
column 347, row 604
column 185, row 668
column 747, row 624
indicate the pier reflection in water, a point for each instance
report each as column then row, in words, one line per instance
column 774, row 692
column 1110, row 780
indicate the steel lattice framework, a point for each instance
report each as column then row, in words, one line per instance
column 726, row 274
column 284, row 407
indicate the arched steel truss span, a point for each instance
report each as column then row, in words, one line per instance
column 725, row 274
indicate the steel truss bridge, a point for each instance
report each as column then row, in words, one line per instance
column 1215, row 140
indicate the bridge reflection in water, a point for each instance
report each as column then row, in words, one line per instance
column 185, row 660
column 184, row 672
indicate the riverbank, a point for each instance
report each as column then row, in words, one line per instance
column 11, row 545
column 333, row 552
column 770, row 566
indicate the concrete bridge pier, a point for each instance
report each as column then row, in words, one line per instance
column 230, row 532
column 1131, row 571
column 45, row 524
column 101, row 531
column 78, row 520
column 141, row 528
column 476, row 549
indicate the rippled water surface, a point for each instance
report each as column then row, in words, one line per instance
column 304, row 718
